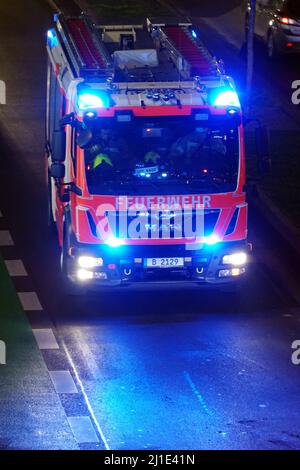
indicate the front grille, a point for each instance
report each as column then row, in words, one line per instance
column 158, row 224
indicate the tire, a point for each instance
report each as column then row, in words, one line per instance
column 70, row 287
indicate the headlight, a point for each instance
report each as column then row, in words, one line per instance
column 89, row 262
column 235, row 259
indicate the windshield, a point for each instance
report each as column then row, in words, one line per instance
column 161, row 156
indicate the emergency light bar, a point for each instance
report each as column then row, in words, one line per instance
column 88, row 100
column 227, row 97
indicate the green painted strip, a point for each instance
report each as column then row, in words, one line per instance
column 31, row 413
column 15, row 329
column 8, row 298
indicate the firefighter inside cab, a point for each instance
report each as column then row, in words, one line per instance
column 106, row 153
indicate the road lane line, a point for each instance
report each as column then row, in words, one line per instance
column 30, row 301
column 63, row 381
column 197, row 393
column 6, row 238
column 86, row 398
column 45, row 338
column 15, row 268
column 83, row 429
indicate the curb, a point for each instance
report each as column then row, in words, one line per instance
column 277, row 219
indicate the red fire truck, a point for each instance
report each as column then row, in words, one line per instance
column 145, row 156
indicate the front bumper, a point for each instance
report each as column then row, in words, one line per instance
column 126, row 266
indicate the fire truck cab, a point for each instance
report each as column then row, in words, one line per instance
column 145, row 156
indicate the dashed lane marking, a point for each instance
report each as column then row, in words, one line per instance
column 6, row 238
column 15, row 268
column 63, row 381
column 197, row 393
column 86, row 429
column 83, row 429
column 45, row 338
column 30, row 301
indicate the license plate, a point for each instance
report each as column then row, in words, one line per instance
column 164, row 262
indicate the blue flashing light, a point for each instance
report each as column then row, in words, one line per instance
column 211, row 240
column 92, row 100
column 114, row 242
column 227, row 98
column 52, row 38
column 194, row 34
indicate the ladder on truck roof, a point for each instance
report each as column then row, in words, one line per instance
column 189, row 54
column 84, row 47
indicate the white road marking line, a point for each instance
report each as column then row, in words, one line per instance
column 63, row 381
column 30, row 301
column 45, row 338
column 6, row 238
column 83, row 430
column 197, row 393
column 15, row 268
column 86, row 398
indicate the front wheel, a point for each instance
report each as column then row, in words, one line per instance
column 71, row 287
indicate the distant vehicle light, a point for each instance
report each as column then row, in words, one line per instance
column 211, row 240
column 235, row 259
column 89, row 262
column 114, row 242
column 284, row 20
column 227, row 98
column 84, row 275
column 91, row 100
column 194, row 34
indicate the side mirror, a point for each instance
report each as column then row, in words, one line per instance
column 68, row 119
column 83, row 137
column 57, row 170
column 262, row 149
column 58, row 147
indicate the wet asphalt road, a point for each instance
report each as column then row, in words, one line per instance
column 160, row 369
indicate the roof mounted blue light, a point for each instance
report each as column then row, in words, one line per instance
column 90, row 100
column 52, row 38
column 227, row 98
